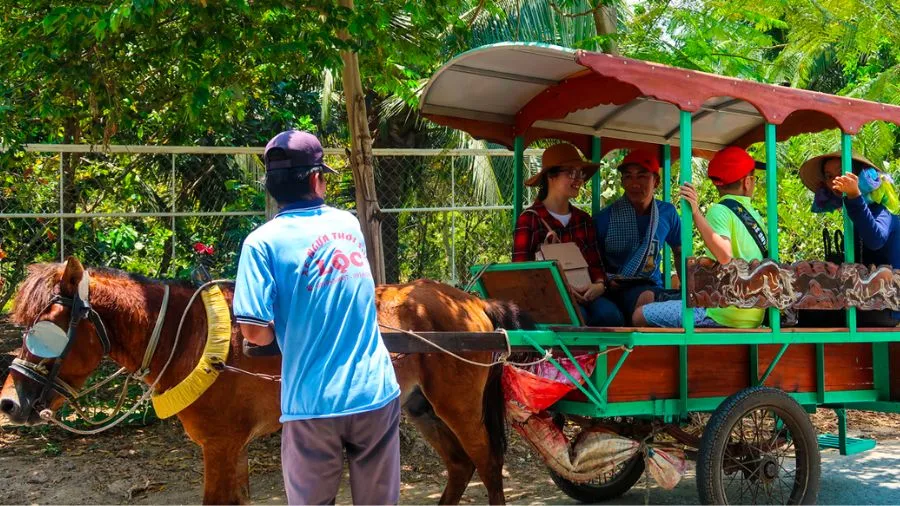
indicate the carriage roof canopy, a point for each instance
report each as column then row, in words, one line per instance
column 538, row 91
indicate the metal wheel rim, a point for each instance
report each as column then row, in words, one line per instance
column 617, row 473
column 762, row 462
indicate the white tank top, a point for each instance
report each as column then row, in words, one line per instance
column 563, row 218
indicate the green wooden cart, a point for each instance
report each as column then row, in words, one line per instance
column 514, row 94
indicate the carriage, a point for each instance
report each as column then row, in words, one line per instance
column 647, row 382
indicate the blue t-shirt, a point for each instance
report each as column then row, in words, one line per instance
column 667, row 230
column 306, row 269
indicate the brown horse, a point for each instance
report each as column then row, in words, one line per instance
column 457, row 407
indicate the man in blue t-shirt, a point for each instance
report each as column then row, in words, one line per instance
column 304, row 280
column 631, row 232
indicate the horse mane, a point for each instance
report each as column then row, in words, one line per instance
column 35, row 292
column 113, row 286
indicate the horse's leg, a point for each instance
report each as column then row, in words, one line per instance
column 459, row 404
column 459, row 466
column 226, row 476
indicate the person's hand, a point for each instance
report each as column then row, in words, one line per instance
column 593, row 291
column 578, row 292
column 689, row 194
column 847, row 183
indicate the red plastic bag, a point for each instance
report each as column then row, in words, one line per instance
column 534, row 393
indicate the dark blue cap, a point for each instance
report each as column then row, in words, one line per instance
column 293, row 149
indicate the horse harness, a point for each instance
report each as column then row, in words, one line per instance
column 81, row 309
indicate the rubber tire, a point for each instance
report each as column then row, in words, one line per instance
column 589, row 494
column 709, row 461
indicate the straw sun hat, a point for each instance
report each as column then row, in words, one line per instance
column 812, row 171
column 564, row 156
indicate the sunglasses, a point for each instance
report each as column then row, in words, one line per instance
column 573, row 174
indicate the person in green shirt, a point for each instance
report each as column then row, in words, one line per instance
column 731, row 229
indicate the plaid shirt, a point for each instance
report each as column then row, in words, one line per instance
column 530, row 234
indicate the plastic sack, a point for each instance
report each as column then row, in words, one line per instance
column 532, row 391
column 666, row 466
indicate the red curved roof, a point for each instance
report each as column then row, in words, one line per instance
column 498, row 92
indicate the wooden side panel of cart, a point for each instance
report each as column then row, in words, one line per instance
column 652, row 372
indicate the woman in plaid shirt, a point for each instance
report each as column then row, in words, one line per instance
column 562, row 175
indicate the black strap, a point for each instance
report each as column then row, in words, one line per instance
column 756, row 231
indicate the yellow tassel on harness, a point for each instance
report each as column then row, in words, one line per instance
column 218, row 342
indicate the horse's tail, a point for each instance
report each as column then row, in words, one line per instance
column 505, row 315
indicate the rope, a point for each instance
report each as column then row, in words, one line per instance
column 154, row 337
column 119, row 403
column 147, row 394
column 96, row 386
column 268, row 377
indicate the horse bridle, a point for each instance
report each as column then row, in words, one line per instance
column 80, row 308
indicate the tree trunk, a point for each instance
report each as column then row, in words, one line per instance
column 605, row 21
column 70, row 163
column 361, row 160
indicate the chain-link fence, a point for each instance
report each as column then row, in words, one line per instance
column 144, row 208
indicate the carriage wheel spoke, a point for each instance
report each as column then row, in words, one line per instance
column 759, row 441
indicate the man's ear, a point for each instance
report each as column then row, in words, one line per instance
column 71, row 276
column 319, row 184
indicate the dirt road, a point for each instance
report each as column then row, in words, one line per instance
column 157, row 464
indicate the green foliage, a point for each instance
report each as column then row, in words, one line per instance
column 145, row 71
column 232, row 73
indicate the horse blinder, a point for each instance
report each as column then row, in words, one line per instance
column 46, row 340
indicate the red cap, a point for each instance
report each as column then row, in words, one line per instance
column 729, row 165
column 642, row 157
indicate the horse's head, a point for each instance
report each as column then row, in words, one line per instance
column 63, row 342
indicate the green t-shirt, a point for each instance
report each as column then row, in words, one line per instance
column 725, row 223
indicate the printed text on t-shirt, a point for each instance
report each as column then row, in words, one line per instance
column 349, row 256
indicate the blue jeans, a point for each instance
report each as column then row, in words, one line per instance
column 668, row 315
column 602, row 312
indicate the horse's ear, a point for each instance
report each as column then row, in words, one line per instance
column 72, row 275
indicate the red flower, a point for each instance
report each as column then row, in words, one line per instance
column 203, row 249
column 2, row 254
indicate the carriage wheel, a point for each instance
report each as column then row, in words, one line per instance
column 608, row 486
column 759, row 448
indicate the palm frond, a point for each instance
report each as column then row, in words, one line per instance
column 326, row 97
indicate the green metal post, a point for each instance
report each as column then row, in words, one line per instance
column 772, row 212
column 596, row 196
column 842, row 430
column 687, row 220
column 687, row 249
column 612, row 374
column 774, row 362
column 518, row 177
column 846, row 164
column 601, row 368
column 667, row 197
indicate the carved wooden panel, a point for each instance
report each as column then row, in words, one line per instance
column 801, row 285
